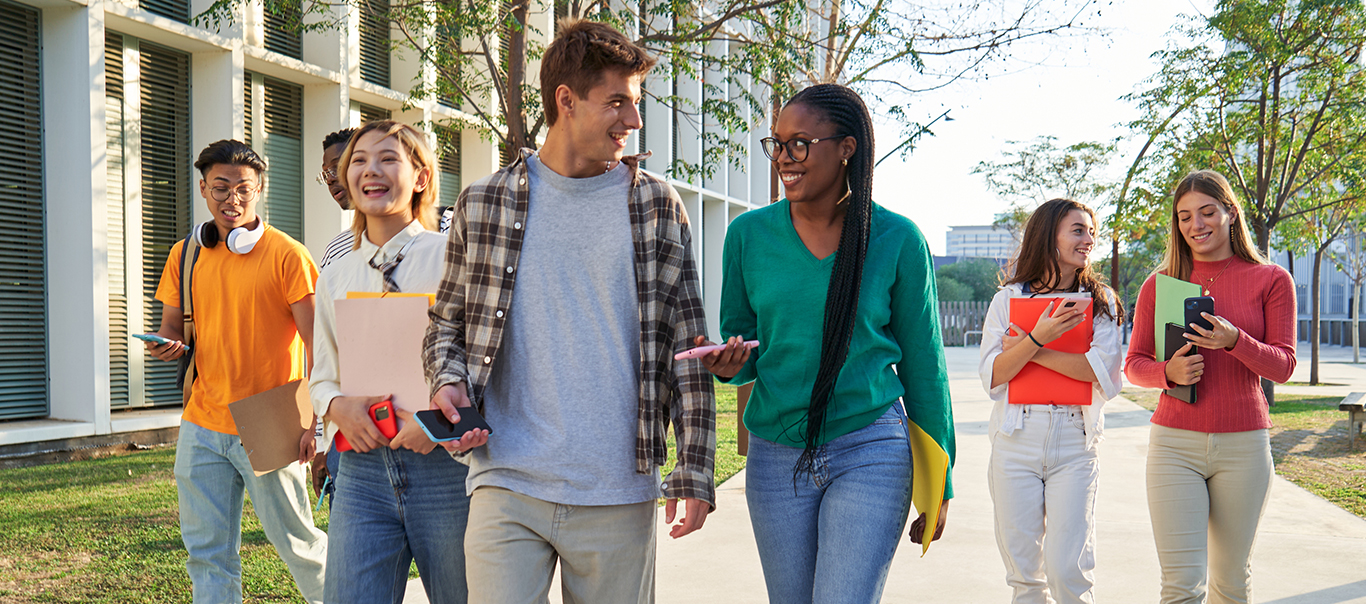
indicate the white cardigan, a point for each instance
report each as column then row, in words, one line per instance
column 1105, row 357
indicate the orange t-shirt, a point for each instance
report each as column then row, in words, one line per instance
column 246, row 341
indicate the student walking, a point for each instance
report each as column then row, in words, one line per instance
column 1209, row 463
column 1043, row 469
column 840, row 294
column 396, row 502
column 569, row 286
column 252, row 293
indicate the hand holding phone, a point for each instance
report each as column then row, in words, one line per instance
column 157, row 340
column 382, row 414
column 440, row 429
column 701, row 351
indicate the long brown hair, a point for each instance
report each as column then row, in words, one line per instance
column 1177, row 261
column 423, row 204
column 1037, row 259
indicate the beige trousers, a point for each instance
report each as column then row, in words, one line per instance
column 606, row 553
column 1206, row 494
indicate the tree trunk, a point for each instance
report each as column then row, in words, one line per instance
column 517, row 129
column 1356, row 322
column 1314, row 318
column 1262, row 232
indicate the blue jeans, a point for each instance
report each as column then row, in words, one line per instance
column 830, row 537
column 211, row 472
column 391, row 508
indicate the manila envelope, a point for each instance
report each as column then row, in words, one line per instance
column 272, row 423
column 379, row 349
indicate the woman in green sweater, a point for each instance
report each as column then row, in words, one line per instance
column 840, row 294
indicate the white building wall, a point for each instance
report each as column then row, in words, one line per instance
column 73, row 96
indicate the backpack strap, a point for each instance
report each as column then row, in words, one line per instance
column 189, row 253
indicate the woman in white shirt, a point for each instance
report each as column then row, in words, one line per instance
column 1043, row 467
column 396, row 502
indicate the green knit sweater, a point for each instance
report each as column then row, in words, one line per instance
column 774, row 290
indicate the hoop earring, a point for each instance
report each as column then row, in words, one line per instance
column 848, row 190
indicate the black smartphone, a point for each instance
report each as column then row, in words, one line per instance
column 440, row 429
column 1195, row 306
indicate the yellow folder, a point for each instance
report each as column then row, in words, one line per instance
column 930, row 471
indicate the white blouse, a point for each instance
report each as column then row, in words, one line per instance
column 1105, row 356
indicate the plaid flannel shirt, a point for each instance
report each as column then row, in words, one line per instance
column 467, row 321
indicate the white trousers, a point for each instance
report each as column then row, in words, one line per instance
column 1206, row 495
column 1041, row 476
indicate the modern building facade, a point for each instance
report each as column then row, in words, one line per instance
column 980, row 241
column 1336, row 295
column 103, row 106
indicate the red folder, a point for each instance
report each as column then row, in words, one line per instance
column 1036, row 384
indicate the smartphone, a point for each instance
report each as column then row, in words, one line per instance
column 440, row 429
column 382, row 413
column 701, row 351
column 1195, row 306
column 155, row 339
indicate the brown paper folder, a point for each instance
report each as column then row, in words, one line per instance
column 272, row 423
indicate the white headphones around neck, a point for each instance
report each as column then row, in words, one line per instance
column 241, row 240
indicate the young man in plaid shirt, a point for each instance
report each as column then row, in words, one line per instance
column 569, row 286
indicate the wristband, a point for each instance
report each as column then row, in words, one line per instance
column 1031, row 338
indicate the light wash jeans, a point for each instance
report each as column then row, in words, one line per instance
column 391, row 508
column 829, row 536
column 211, row 472
column 1042, row 476
column 606, row 553
column 1206, row 495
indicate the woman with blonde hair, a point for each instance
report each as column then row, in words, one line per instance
column 1209, row 463
column 396, row 503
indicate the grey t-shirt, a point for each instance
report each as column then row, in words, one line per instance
column 563, row 395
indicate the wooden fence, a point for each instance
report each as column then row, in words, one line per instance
column 960, row 323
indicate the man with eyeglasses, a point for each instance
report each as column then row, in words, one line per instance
column 333, row 146
column 252, row 288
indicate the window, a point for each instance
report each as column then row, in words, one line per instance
column 1337, row 297
column 370, row 113
column 374, row 42
column 282, row 23
column 178, row 10
column 147, row 103
column 448, row 160
column 23, row 281
column 1302, row 298
column 278, row 137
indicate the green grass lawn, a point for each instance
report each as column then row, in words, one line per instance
column 106, row 530
column 1309, row 445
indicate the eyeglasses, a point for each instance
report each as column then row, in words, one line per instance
column 326, row 176
column 244, row 193
column 797, row 148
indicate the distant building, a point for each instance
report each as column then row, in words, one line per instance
column 980, row 241
column 1336, row 296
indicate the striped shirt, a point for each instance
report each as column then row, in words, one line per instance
column 467, row 321
column 343, row 243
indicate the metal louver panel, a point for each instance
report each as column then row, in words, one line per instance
column 116, row 226
column 165, row 89
column 369, row 113
column 448, row 164
column 247, row 110
column 178, row 10
column 374, row 42
column 282, row 131
column 282, row 22
column 23, row 286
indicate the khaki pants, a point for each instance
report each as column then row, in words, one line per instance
column 606, row 553
column 1206, row 494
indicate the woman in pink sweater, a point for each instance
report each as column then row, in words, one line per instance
column 1209, row 463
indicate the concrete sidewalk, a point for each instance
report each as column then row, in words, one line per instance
column 1308, row 550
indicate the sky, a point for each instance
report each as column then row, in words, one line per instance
column 1072, row 91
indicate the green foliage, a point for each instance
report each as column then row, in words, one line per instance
column 951, row 290
column 1033, row 172
column 979, row 279
column 1269, row 92
column 744, row 54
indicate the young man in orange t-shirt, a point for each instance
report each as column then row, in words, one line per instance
column 252, row 288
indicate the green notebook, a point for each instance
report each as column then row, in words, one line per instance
column 1169, row 307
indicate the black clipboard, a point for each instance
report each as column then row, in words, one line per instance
column 1175, row 341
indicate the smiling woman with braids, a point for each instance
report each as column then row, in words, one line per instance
column 840, row 294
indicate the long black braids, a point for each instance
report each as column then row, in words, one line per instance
column 842, row 107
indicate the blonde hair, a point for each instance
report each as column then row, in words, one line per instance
column 1177, row 261
column 420, row 154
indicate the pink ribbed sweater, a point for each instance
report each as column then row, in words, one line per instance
column 1259, row 299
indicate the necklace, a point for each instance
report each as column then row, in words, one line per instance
column 1211, row 280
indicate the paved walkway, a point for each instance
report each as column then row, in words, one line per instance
column 1308, row 550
